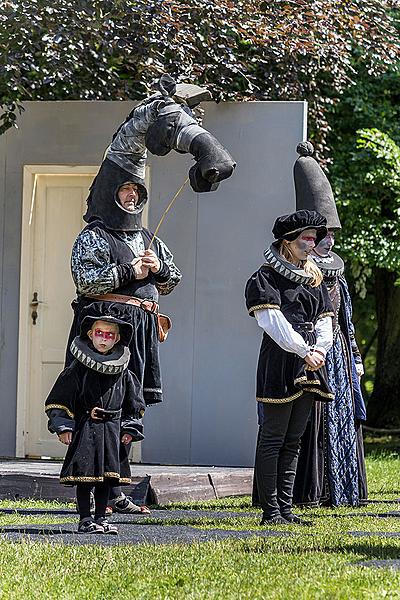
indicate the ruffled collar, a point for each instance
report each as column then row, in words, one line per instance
column 331, row 265
column 284, row 267
column 110, row 364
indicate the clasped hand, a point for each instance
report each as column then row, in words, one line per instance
column 147, row 261
column 314, row 360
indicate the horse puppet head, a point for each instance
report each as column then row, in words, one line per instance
column 160, row 123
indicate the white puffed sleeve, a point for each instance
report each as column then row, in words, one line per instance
column 324, row 332
column 280, row 330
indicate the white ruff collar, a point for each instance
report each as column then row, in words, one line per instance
column 284, row 267
column 331, row 265
column 109, row 364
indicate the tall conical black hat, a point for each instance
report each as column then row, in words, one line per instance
column 313, row 190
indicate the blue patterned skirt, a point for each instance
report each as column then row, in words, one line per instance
column 331, row 466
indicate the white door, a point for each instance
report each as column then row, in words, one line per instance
column 52, row 218
column 59, row 204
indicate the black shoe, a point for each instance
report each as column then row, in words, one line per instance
column 295, row 520
column 105, row 526
column 275, row 520
column 87, row 525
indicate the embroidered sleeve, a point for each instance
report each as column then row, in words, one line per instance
column 92, row 270
column 261, row 292
column 169, row 275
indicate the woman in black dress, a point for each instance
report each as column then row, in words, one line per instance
column 292, row 306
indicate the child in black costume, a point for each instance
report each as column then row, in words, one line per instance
column 95, row 403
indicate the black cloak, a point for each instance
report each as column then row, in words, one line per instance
column 96, row 380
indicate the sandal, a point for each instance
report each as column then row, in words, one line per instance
column 125, row 505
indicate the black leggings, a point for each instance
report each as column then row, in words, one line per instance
column 101, row 493
column 277, row 453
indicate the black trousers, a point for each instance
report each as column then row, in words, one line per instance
column 278, row 451
column 101, row 493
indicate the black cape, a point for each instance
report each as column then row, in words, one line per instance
column 281, row 375
column 95, row 453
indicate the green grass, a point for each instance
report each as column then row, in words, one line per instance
column 320, row 562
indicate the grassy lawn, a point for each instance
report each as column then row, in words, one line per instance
column 317, row 562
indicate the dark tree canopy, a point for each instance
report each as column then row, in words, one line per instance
column 366, row 177
column 110, row 50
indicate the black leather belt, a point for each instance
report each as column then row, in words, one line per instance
column 306, row 326
column 101, row 415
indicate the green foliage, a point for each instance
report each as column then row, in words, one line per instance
column 372, row 103
column 247, row 49
column 370, row 205
column 372, row 106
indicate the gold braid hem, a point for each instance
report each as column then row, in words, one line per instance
column 88, row 479
column 61, row 407
column 261, row 306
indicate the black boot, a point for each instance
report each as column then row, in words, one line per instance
column 267, row 519
column 295, row 520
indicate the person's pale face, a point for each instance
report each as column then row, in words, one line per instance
column 104, row 336
column 128, row 195
column 302, row 246
column 326, row 244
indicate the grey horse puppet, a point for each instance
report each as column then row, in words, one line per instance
column 161, row 123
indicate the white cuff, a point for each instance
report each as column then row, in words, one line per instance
column 360, row 369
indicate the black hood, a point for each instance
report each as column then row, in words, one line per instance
column 111, row 312
column 103, row 199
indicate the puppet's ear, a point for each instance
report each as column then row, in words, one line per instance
column 167, row 85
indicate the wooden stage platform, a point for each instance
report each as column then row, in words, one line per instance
column 151, row 484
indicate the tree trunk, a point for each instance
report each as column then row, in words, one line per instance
column 384, row 404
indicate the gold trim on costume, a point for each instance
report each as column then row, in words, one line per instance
column 81, row 479
column 304, row 379
column 61, row 407
column 261, row 306
column 328, row 313
column 280, row 400
column 320, row 392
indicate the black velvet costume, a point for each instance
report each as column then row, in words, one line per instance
column 281, row 375
column 285, row 389
column 98, row 380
